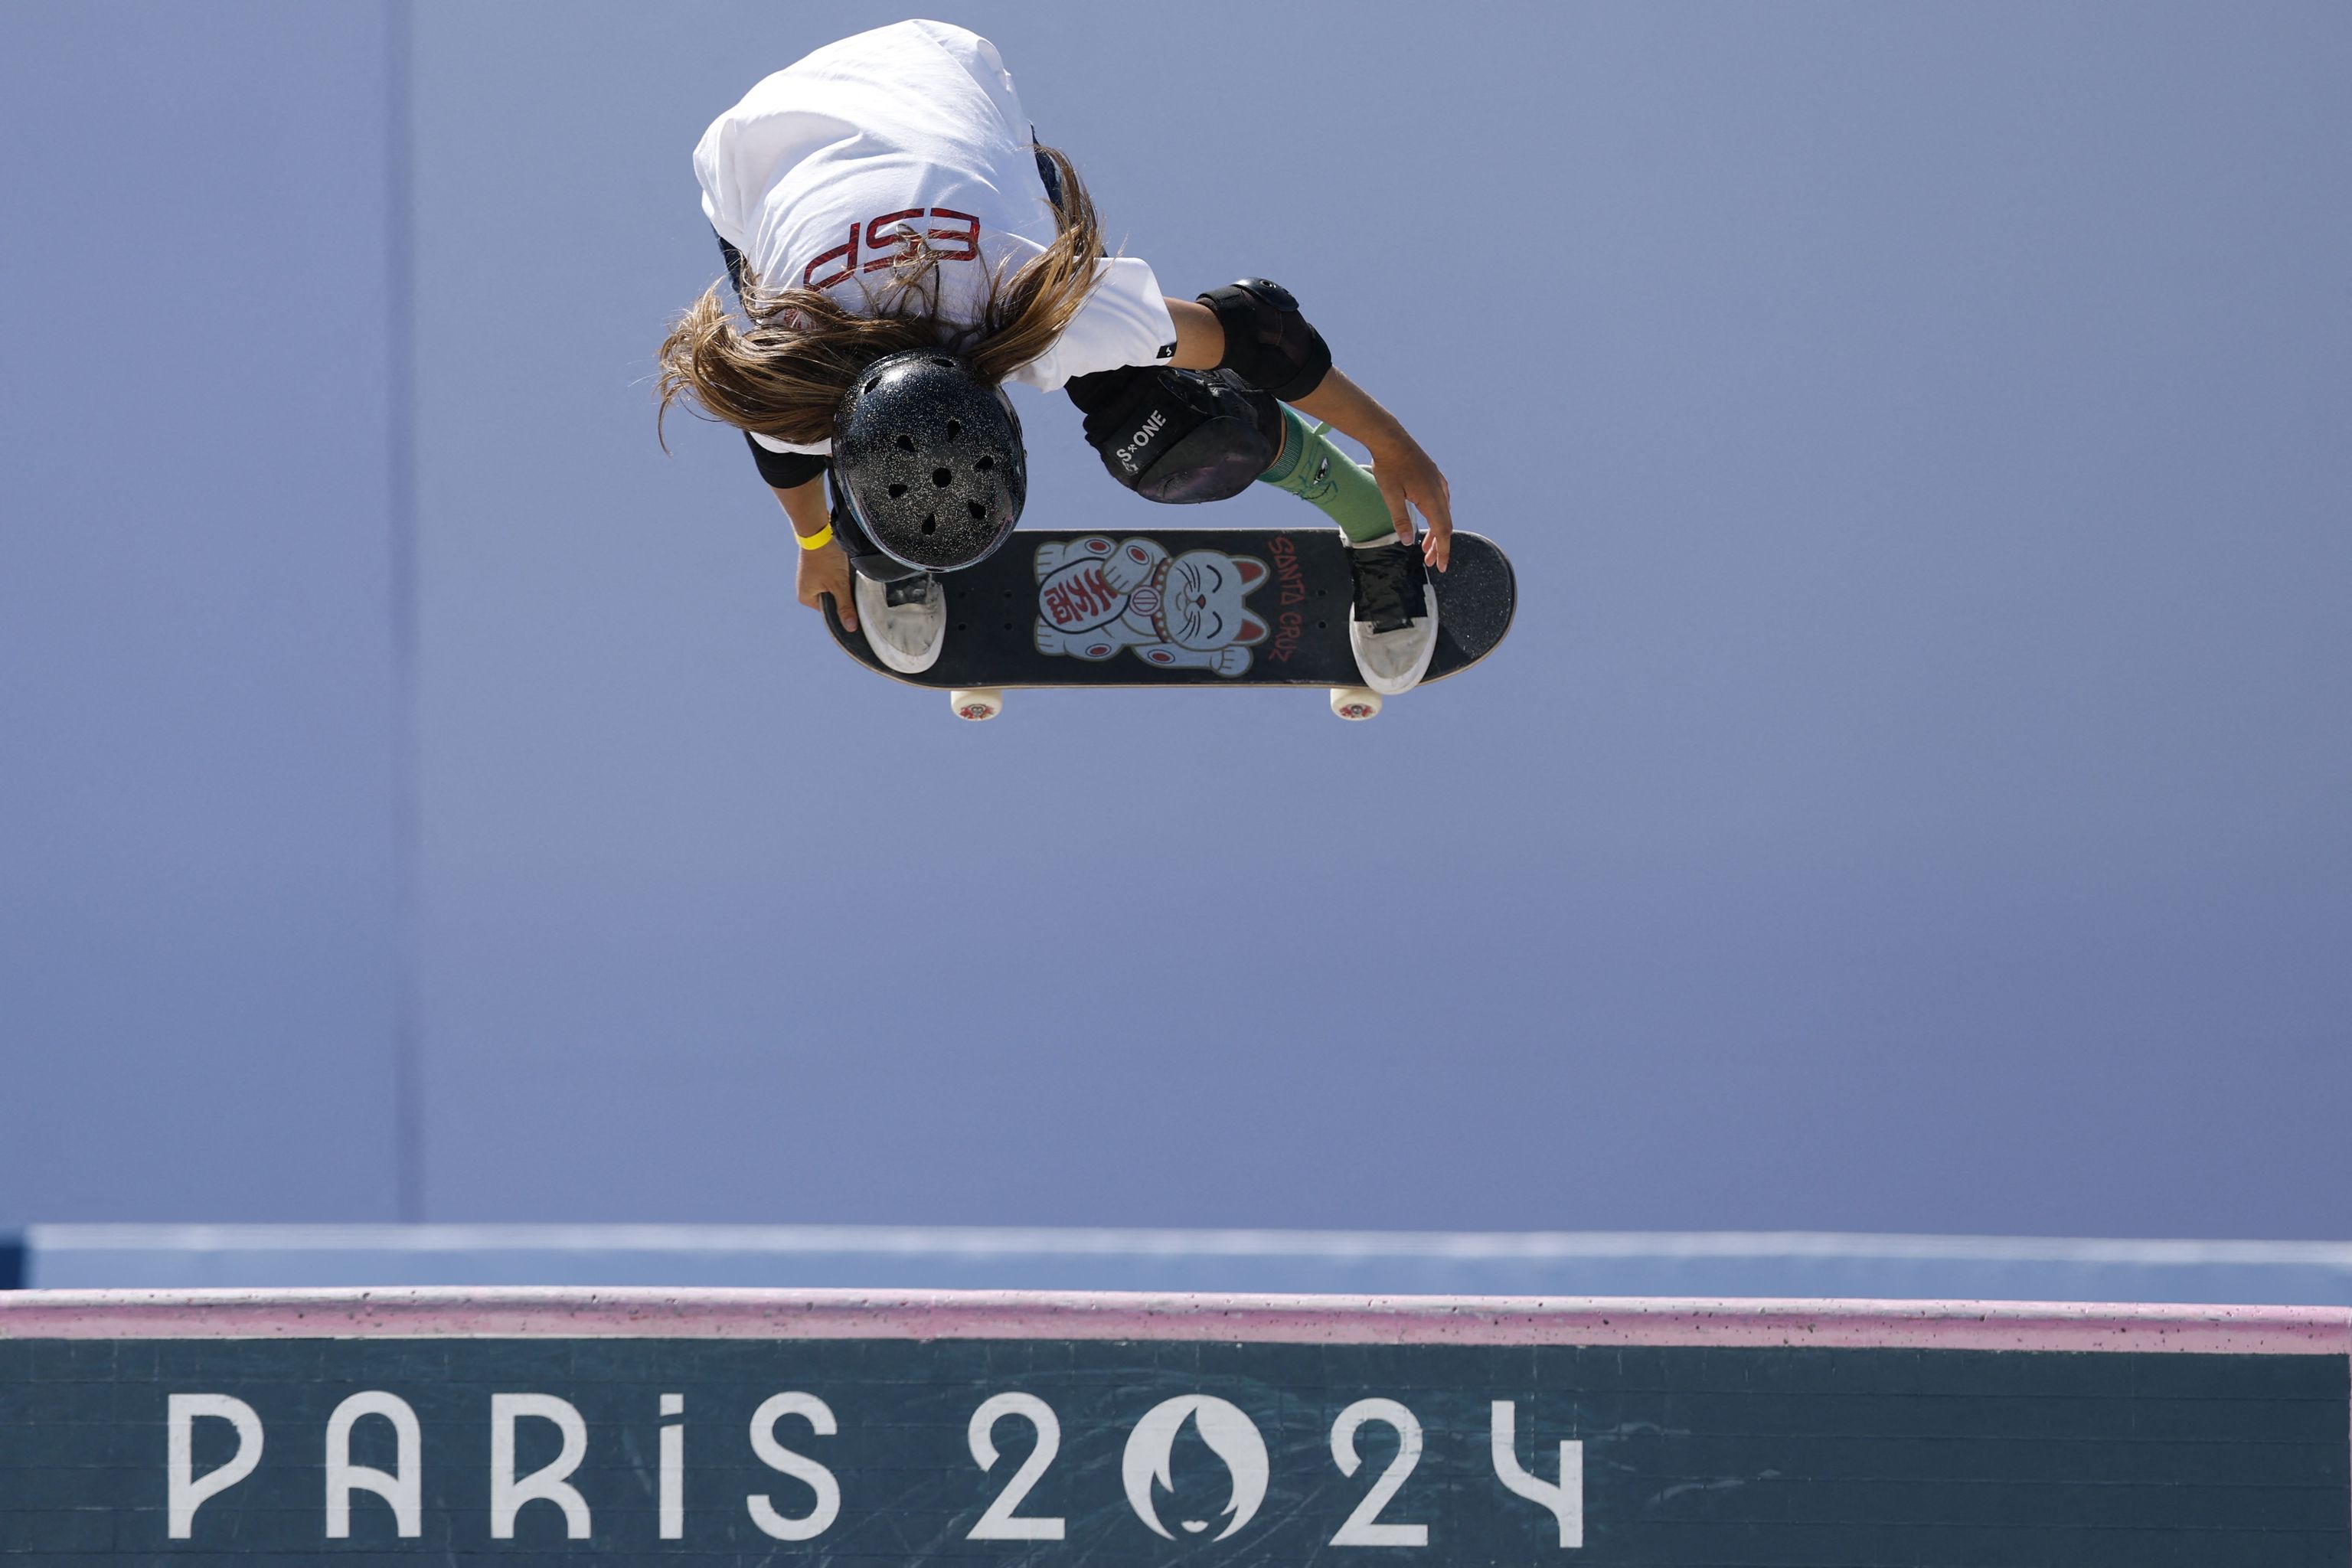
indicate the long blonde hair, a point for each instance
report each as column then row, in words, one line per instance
column 786, row 374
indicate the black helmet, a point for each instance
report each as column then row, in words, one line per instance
column 929, row 460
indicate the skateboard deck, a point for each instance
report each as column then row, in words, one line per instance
column 1183, row 606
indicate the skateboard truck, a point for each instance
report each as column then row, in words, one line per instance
column 978, row 702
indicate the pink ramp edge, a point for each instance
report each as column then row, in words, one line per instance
column 561, row 1312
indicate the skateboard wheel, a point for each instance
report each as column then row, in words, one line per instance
column 980, row 701
column 1355, row 701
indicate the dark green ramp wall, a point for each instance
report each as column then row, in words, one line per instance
column 1207, row 1436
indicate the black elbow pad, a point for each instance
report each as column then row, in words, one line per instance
column 786, row 470
column 1268, row 343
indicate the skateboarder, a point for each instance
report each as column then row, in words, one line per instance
column 900, row 248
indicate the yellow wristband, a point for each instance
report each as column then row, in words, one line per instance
column 817, row 540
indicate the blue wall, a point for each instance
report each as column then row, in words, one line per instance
column 1912, row 799
column 201, row 737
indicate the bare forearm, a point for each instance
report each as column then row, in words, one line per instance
column 822, row 572
column 807, row 506
column 1409, row 481
column 1351, row 410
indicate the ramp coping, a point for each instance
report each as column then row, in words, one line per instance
column 570, row 1312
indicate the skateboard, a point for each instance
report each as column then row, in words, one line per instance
column 1183, row 606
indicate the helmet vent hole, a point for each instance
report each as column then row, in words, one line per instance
column 942, row 478
column 905, row 443
column 977, row 510
column 897, row 491
column 944, row 363
column 932, row 522
column 985, row 464
column 955, row 428
column 873, row 384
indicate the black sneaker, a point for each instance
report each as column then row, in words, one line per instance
column 1391, row 583
column 1393, row 626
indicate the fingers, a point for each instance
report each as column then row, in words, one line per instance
column 1437, row 549
column 822, row 575
column 1437, row 505
column 817, row 595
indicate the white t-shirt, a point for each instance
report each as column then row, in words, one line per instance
column 819, row 171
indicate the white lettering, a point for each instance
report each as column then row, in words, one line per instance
column 1363, row 1527
column 188, row 1494
column 1000, row 1522
column 1227, row 1431
column 776, row 1456
column 546, row 1484
column 1566, row 1501
column 402, row 1489
column 1152, row 427
column 673, row 1470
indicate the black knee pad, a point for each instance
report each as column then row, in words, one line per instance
column 1179, row 435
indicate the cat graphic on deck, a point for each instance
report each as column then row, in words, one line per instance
column 1097, row 596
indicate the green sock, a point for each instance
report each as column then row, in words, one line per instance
column 1311, row 468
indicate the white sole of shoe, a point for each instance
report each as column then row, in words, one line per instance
column 872, row 605
column 1394, row 686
